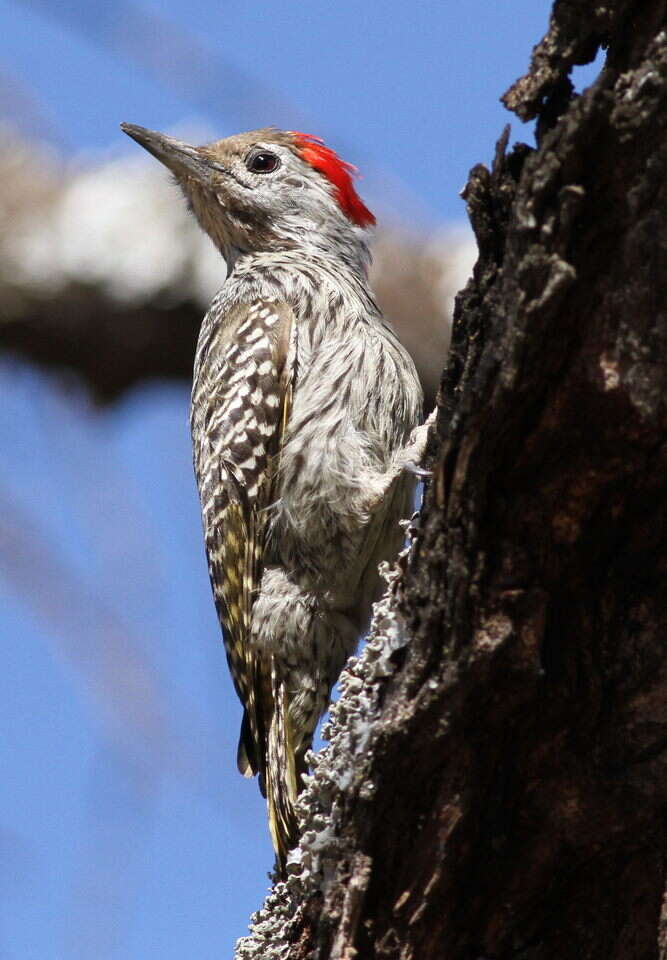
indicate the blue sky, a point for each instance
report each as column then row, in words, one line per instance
column 408, row 90
column 125, row 831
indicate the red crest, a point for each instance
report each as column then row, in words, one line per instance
column 339, row 173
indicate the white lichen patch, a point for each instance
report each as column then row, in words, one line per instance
column 337, row 770
column 610, row 372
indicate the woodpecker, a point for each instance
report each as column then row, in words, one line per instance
column 305, row 412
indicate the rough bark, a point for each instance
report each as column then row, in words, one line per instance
column 496, row 781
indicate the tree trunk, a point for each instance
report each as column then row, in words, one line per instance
column 496, row 779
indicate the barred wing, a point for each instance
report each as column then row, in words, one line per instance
column 244, row 391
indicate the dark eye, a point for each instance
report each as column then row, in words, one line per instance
column 262, row 162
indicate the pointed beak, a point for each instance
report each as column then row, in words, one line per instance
column 181, row 158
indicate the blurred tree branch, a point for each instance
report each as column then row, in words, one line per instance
column 111, row 346
column 496, row 781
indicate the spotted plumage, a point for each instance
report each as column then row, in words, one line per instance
column 236, row 461
column 304, row 409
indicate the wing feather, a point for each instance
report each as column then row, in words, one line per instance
column 245, row 391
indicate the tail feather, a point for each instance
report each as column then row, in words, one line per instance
column 246, row 755
column 283, row 775
column 267, row 749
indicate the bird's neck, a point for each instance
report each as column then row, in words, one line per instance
column 296, row 274
column 345, row 252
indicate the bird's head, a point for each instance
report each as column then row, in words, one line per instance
column 265, row 190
